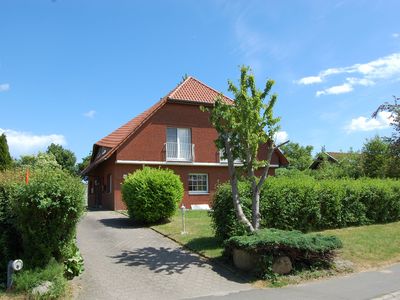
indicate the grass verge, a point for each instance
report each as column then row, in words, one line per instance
column 365, row 246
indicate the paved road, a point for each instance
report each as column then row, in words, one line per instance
column 378, row 285
column 124, row 262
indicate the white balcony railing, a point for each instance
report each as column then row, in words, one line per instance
column 179, row 151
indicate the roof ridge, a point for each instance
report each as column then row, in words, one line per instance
column 178, row 87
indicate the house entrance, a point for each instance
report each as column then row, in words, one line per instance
column 97, row 192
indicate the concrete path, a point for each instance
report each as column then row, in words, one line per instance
column 124, row 262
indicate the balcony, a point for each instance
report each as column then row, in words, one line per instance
column 179, row 151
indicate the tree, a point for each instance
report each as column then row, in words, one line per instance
column 393, row 167
column 5, row 157
column 83, row 165
column 64, row 157
column 394, row 110
column 299, row 156
column 41, row 160
column 375, row 157
column 243, row 127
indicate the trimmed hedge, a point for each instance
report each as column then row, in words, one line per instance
column 152, row 195
column 308, row 204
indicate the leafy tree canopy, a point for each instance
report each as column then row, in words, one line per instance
column 64, row 157
column 299, row 156
column 243, row 127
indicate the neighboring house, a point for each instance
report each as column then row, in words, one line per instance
column 174, row 133
column 332, row 157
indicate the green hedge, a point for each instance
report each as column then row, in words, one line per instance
column 47, row 212
column 152, row 195
column 307, row 204
column 10, row 239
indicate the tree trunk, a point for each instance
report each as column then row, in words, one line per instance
column 235, row 192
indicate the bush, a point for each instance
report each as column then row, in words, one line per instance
column 152, row 195
column 10, row 240
column 26, row 280
column 73, row 261
column 302, row 249
column 47, row 212
column 308, row 204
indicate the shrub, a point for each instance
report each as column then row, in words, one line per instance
column 73, row 261
column 47, row 212
column 223, row 216
column 26, row 280
column 308, row 204
column 152, row 195
column 10, row 239
column 302, row 249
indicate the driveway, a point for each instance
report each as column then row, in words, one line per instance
column 126, row 262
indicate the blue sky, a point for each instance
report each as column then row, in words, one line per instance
column 73, row 71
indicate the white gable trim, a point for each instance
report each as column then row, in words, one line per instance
column 169, row 163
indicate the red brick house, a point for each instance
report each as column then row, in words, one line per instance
column 174, row 134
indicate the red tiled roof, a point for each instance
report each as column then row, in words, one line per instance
column 117, row 136
column 190, row 90
column 193, row 90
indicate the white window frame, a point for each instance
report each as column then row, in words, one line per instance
column 198, row 192
column 178, row 144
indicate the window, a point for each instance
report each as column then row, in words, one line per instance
column 109, row 183
column 179, row 144
column 198, row 183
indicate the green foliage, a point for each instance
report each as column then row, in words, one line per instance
column 223, row 214
column 375, row 156
column 152, row 195
column 84, row 164
column 64, row 157
column 302, row 249
column 10, row 239
column 299, row 157
column 39, row 161
column 243, row 127
column 73, row 264
column 308, row 204
column 5, row 157
column 272, row 240
column 47, row 212
column 26, row 280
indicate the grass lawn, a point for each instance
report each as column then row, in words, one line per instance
column 365, row 246
column 199, row 238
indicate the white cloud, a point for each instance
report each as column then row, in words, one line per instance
column 386, row 67
column 396, row 35
column 21, row 143
column 335, row 90
column 382, row 121
column 90, row 114
column 309, row 80
column 281, row 137
column 4, row 87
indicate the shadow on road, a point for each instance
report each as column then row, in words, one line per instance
column 170, row 261
column 119, row 222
